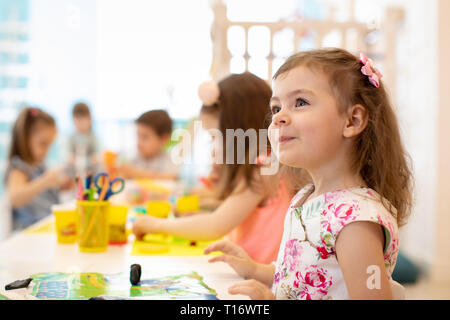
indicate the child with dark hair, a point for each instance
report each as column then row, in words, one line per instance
column 154, row 129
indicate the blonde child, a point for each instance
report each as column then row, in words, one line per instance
column 83, row 144
column 31, row 188
column 332, row 118
column 154, row 129
column 239, row 101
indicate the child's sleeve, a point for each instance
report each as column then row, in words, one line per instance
column 71, row 142
column 17, row 163
column 95, row 145
column 341, row 213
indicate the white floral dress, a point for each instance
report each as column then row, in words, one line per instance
column 307, row 267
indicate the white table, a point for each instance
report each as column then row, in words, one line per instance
column 24, row 254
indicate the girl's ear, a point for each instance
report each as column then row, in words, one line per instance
column 357, row 119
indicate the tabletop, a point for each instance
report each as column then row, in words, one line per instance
column 31, row 252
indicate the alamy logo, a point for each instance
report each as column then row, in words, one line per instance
column 235, row 144
column 374, row 280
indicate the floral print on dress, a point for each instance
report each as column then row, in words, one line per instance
column 334, row 195
column 277, row 278
column 312, row 282
column 341, row 214
column 307, row 267
column 292, row 254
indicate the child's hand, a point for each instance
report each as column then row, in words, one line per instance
column 127, row 171
column 235, row 256
column 252, row 288
column 68, row 184
column 54, row 178
column 145, row 224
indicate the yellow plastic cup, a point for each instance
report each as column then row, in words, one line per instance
column 188, row 204
column 66, row 219
column 159, row 209
column 117, row 224
column 93, row 222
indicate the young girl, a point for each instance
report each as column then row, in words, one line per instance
column 239, row 101
column 332, row 117
column 32, row 189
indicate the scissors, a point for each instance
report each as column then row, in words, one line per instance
column 115, row 186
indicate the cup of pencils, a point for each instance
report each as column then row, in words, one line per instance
column 93, row 210
column 93, row 225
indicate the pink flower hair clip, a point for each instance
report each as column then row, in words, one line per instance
column 34, row 112
column 209, row 92
column 369, row 70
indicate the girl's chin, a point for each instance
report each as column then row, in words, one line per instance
column 290, row 159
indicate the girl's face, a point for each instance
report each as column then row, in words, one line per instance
column 306, row 129
column 41, row 138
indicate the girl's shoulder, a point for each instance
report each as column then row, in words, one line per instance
column 364, row 201
column 343, row 207
column 17, row 163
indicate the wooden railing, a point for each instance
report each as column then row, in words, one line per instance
column 377, row 42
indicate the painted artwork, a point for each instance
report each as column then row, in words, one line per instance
column 2, row 297
column 82, row 286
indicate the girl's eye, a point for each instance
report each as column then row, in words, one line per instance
column 301, row 103
column 275, row 109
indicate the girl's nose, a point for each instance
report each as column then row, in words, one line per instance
column 281, row 118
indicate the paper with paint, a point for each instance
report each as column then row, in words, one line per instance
column 83, row 286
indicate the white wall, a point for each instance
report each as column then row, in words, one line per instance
column 417, row 111
column 152, row 55
column 63, row 53
column 441, row 265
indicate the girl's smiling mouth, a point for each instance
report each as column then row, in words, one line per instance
column 284, row 139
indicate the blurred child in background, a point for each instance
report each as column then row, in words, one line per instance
column 154, row 129
column 83, row 145
column 32, row 189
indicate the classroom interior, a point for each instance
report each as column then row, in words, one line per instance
column 124, row 58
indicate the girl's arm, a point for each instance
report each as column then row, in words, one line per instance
column 212, row 226
column 131, row 172
column 21, row 191
column 264, row 273
column 362, row 261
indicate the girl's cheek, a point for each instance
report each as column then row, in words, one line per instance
column 274, row 134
